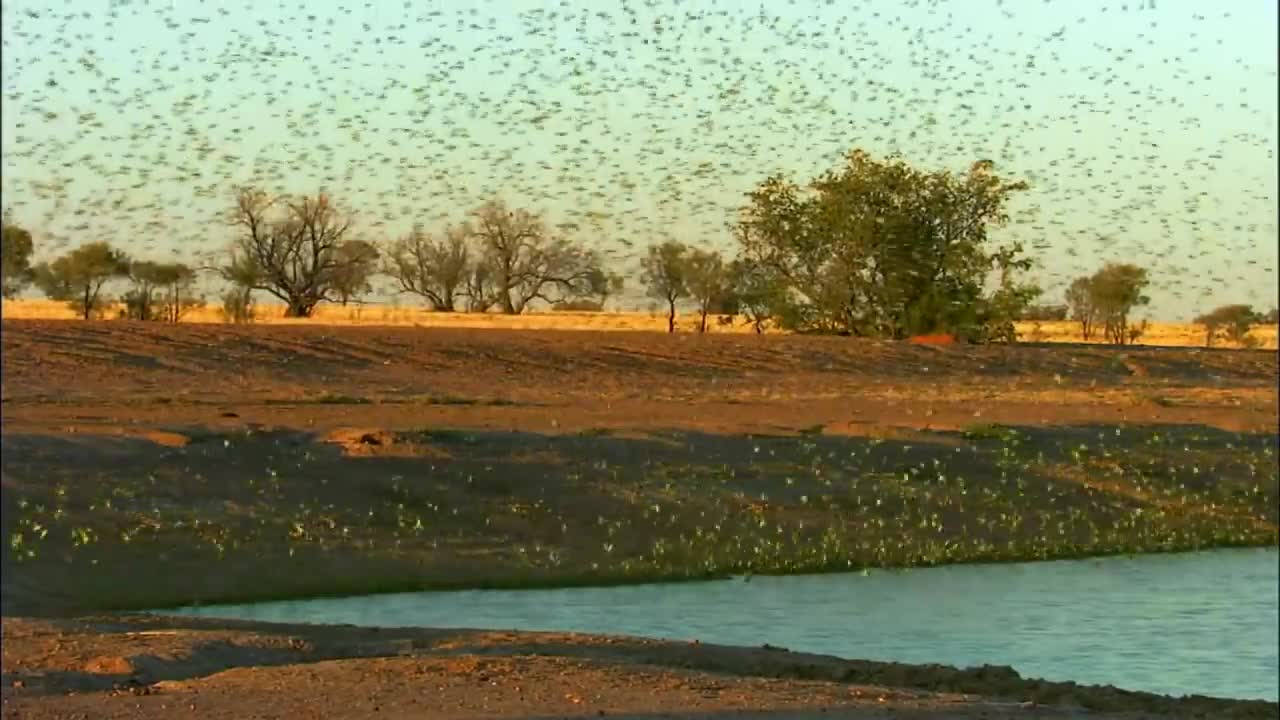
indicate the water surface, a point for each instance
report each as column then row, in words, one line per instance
column 1174, row 624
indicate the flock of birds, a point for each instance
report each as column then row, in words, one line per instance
column 1147, row 132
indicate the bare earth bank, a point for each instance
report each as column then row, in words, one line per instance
column 275, row 456
column 168, row 667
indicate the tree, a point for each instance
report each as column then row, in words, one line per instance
column 1272, row 317
column 177, row 292
column 525, row 263
column 1235, row 321
column 1115, row 291
column 78, row 276
column 138, row 302
column 161, row 291
column 15, row 266
column 357, row 261
column 300, row 257
column 605, row 285
column 480, row 292
column 1079, row 299
column 755, row 293
column 664, row 275
column 237, row 305
column 435, row 269
column 878, row 248
column 706, row 282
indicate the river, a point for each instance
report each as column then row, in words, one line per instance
column 1173, row 624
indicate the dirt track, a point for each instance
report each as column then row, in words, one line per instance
column 277, row 454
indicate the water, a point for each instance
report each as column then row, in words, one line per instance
column 1174, row 624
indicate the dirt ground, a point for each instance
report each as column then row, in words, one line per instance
column 144, row 667
column 149, row 466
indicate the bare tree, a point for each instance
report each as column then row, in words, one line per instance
column 298, row 257
column 481, row 292
column 525, row 263
column 357, row 262
column 436, row 269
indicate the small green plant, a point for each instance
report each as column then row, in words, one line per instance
column 339, row 399
column 991, row 431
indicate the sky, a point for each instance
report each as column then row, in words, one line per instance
column 1147, row 129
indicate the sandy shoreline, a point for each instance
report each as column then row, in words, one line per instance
column 162, row 666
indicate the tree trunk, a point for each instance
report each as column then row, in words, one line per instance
column 299, row 308
column 702, row 322
column 671, row 317
column 88, row 304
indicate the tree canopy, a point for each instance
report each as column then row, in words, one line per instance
column 1235, row 321
column 15, row 259
column 879, row 248
column 522, row 261
column 302, row 256
column 78, row 276
column 664, row 272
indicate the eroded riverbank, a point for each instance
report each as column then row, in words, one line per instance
column 148, row 466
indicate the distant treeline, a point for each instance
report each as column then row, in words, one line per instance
column 874, row 248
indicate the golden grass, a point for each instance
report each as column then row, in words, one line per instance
column 1166, row 334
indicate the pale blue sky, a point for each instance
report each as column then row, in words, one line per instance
column 1147, row 128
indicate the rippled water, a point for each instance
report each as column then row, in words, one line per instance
column 1176, row 624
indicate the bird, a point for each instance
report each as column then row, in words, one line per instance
column 1143, row 132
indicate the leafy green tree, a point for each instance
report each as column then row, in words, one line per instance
column 140, row 301
column 664, row 273
column 15, row 266
column 878, row 248
column 1115, row 291
column 161, row 291
column 755, row 294
column 301, row 257
column 707, row 282
column 1235, row 321
column 79, row 276
column 1079, row 299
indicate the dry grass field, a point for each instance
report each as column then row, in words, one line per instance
column 1158, row 334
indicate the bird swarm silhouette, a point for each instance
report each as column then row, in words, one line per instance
column 1146, row 131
